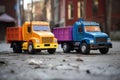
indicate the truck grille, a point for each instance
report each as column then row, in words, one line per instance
column 47, row 39
column 98, row 40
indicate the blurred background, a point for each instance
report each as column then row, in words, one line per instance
column 61, row 13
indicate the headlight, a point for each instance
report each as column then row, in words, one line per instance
column 91, row 41
column 55, row 40
column 37, row 41
column 108, row 40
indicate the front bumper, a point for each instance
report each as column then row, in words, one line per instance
column 46, row 46
column 98, row 46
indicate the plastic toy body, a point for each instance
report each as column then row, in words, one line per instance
column 32, row 37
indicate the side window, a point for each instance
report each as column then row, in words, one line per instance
column 80, row 29
column 29, row 29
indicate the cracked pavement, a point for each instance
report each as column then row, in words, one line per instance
column 59, row 66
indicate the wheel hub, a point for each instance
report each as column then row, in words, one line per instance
column 65, row 47
column 83, row 49
column 30, row 48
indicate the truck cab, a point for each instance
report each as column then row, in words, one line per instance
column 88, row 35
column 37, row 37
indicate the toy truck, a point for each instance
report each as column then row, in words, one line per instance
column 32, row 37
column 83, row 36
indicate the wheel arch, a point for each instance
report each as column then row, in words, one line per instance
column 67, row 42
column 17, row 42
column 86, row 40
column 83, row 41
column 32, row 40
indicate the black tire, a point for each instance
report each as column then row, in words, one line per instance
column 31, row 49
column 66, row 48
column 84, row 48
column 51, row 51
column 104, row 50
column 17, row 48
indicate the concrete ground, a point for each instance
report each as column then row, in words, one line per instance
column 59, row 66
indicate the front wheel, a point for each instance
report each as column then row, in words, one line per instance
column 85, row 48
column 31, row 49
column 51, row 51
column 104, row 50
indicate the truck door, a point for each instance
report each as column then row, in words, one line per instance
column 27, row 32
column 80, row 33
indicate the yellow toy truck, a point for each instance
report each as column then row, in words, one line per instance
column 32, row 37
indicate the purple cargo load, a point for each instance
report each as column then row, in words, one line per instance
column 63, row 33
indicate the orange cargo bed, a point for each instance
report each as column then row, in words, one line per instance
column 14, row 34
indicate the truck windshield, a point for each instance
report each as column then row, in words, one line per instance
column 92, row 29
column 41, row 28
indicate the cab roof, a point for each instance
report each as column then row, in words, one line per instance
column 86, row 23
column 43, row 23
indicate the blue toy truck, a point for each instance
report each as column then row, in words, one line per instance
column 83, row 36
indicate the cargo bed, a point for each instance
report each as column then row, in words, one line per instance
column 63, row 34
column 14, row 34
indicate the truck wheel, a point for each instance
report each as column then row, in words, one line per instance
column 104, row 50
column 51, row 51
column 66, row 48
column 17, row 48
column 85, row 48
column 31, row 49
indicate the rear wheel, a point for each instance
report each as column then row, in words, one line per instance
column 85, row 48
column 51, row 51
column 104, row 50
column 17, row 48
column 66, row 48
